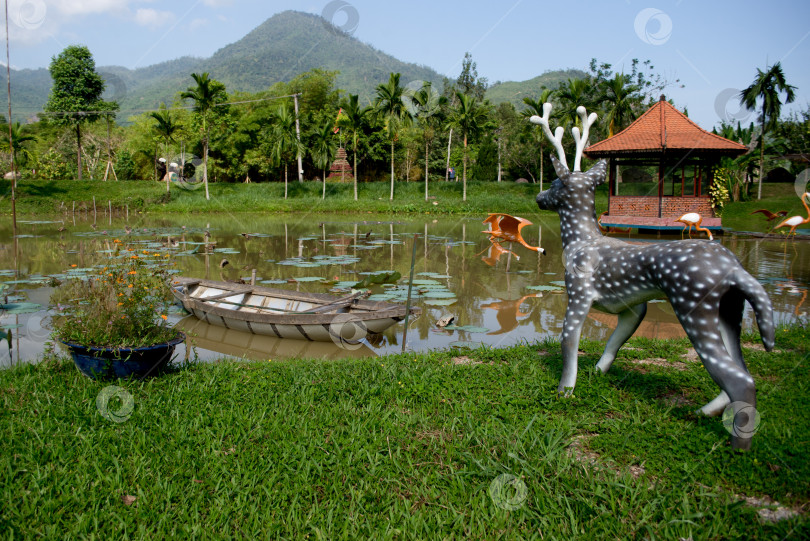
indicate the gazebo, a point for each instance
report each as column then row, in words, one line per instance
column 661, row 167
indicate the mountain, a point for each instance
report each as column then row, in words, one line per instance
column 280, row 48
column 514, row 92
column 283, row 46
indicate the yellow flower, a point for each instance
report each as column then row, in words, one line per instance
column 164, row 316
column 130, row 285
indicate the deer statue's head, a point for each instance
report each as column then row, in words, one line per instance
column 572, row 192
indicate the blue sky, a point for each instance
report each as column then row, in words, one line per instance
column 714, row 47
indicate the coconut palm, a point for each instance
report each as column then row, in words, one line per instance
column 323, row 150
column 390, row 105
column 767, row 86
column 208, row 93
column 428, row 106
column 20, row 154
column 570, row 96
column 165, row 127
column 285, row 143
column 619, row 96
column 355, row 119
column 470, row 117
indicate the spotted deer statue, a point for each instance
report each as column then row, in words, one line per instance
column 703, row 281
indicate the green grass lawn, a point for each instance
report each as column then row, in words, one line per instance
column 58, row 197
column 407, row 446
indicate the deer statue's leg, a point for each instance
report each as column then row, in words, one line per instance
column 731, row 311
column 730, row 376
column 575, row 316
column 629, row 320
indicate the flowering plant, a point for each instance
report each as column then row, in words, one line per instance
column 121, row 303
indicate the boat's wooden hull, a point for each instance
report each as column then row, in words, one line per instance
column 282, row 313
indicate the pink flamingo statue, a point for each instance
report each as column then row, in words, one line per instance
column 795, row 221
column 693, row 219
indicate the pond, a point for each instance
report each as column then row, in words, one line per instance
column 496, row 299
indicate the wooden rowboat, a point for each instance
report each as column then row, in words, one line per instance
column 286, row 314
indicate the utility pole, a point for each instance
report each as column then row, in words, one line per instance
column 298, row 136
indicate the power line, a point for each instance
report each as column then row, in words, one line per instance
column 109, row 112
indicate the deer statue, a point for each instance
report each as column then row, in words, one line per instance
column 703, row 281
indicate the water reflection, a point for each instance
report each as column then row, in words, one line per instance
column 319, row 253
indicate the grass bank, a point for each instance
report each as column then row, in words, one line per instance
column 58, row 197
column 408, row 446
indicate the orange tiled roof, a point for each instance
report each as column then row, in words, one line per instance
column 663, row 127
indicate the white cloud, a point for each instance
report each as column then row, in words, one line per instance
column 217, row 3
column 197, row 23
column 153, row 17
column 85, row 7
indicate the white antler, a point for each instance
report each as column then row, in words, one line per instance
column 581, row 142
column 556, row 138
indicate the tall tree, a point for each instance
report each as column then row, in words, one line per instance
column 75, row 97
column 619, row 97
column 165, row 127
column 535, row 107
column 323, row 150
column 767, row 87
column 285, row 142
column 572, row 94
column 19, row 137
column 468, row 81
column 428, row 107
column 355, row 119
column 470, row 117
column 207, row 94
column 390, row 106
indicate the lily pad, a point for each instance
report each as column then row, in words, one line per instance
column 21, row 307
column 544, row 288
column 560, row 283
column 310, row 279
column 440, row 302
column 467, row 328
column 463, row 344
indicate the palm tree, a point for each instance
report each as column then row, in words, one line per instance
column 470, row 118
column 620, row 95
column 390, row 105
column 571, row 95
column 428, row 106
column 285, row 142
column 18, row 138
column 354, row 118
column 207, row 94
column 535, row 107
column 165, row 127
column 323, row 150
column 767, row 86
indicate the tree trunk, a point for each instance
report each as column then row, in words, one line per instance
column 323, row 195
column 427, row 155
column 541, row 165
column 761, row 156
column 167, row 168
column 285, row 181
column 391, row 198
column 355, row 166
column 464, row 177
column 499, row 160
column 205, row 166
column 447, row 168
column 79, row 145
